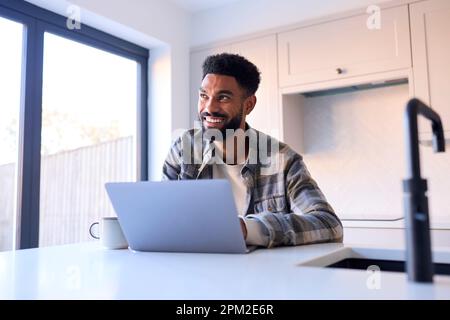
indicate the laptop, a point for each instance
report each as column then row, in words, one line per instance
column 178, row 216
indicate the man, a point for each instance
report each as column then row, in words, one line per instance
column 277, row 200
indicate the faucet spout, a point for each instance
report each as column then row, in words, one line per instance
column 419, row 260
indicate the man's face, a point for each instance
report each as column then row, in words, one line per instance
column 223, row 104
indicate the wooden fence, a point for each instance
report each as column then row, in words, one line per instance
column 72, row 191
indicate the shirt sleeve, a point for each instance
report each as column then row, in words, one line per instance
column 255, row 234
column 172, row 164
column 311, row 220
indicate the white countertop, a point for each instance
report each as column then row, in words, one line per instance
column 87, row 271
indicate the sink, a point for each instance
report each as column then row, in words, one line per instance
column 387, row 259
column 384, row 265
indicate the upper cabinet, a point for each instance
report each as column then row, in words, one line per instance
column 262, row 52
column 345, row 48
column 195, row 79
column 430, row 34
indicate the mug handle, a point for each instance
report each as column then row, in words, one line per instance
column 90, row 231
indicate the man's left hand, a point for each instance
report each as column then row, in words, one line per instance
column 243, row 227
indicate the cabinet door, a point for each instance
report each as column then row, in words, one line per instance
column 430, row 33
column 345, row 48
column 263, row 53
column 196, row 61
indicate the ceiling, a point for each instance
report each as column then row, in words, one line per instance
column 198, row 5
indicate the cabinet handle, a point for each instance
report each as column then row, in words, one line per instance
column 339, row 71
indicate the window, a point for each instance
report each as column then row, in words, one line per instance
column 10, row 84
column 73, row 117
column 88, row 136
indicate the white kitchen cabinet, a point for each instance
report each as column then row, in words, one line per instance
column 263, row 53
column 430, row 35
column 345, row 48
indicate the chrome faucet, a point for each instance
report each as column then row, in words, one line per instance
column 419, row 262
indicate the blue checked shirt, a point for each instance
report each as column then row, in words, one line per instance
column 281, row 193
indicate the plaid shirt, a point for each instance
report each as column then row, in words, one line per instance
column 281, row 193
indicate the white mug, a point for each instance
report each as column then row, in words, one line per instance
column 110, row 235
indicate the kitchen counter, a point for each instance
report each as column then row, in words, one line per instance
column 87, row 271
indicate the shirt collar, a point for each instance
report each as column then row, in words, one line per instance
column 252, row 159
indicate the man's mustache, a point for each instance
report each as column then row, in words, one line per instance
column 213, row 114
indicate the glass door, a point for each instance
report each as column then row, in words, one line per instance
column 11, row 38
column 89, row 129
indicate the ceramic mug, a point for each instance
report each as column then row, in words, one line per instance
column 110, row 233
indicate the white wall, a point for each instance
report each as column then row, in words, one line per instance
column 250, row 16
column 348, row 140
column 164, row 28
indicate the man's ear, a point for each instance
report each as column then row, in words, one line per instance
column 249, row 104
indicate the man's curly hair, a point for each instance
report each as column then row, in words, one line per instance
column 246, row 73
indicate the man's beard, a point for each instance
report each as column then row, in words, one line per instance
column 231, row 124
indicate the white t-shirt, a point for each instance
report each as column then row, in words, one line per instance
column 232, row 173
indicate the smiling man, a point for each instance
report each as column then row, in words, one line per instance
column 277, row 200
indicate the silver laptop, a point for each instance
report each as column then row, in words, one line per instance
column 178, row 216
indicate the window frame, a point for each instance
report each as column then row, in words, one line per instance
column 36, row 22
